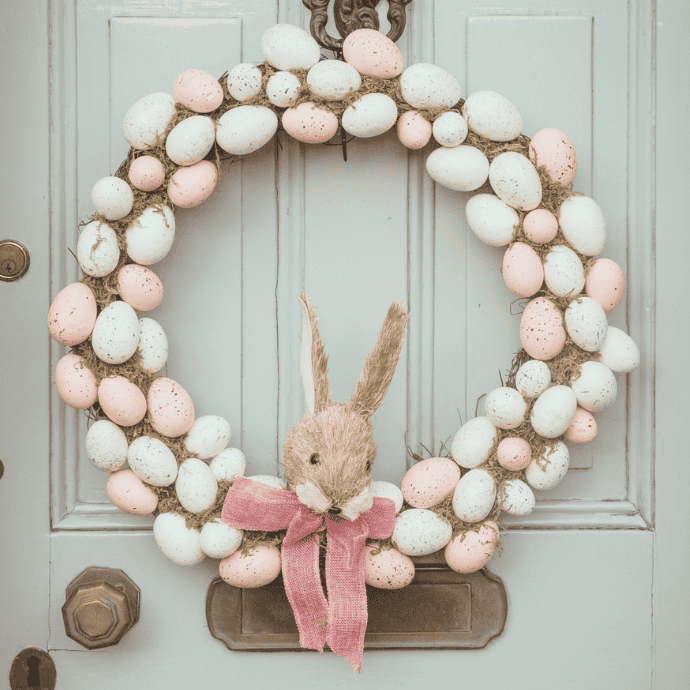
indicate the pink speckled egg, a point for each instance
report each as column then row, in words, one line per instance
column 553, row 149
column 258, row 568
column 75, row 383
column 198, row 90
column 146, row 173
column 471, row 551
column 514, row 453
column 605, row 283
column 126, row 491
column 540, row 225
column 388, row 569
column 191, row 185
column 309, row 123
column 523, row 272
column 583, row 428
column 140, row 287
column 541, row 329
column 414, row 131
column 429, row 481
column 72, row 314
column 170, row 407
column 122, row 400
column 372, row 53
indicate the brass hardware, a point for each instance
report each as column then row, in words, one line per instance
column 14, row 260
column 102, row 605
column 32, row 669
column 2, row 469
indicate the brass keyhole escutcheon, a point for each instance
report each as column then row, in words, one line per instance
column 32, row 669
column 14, row 260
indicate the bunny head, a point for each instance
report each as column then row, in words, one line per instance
column 329, row 454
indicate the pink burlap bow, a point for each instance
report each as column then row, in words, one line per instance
column 340, row 620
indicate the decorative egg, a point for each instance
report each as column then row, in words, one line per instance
column 146, row 173
column 596, row 387
column 178, row 542
column 473, row 442
column 139, row 287
column 218, row 540
column 112, row 197
column 523, row 272
column 269, row 480
column 420, row 532
column 553, row 411
column 564, row 273
column 462, row 169
column 553, row 149
column 106, row 445
column 127, row 492
column 373, row 54
column 585, row 321
column 244, row 81
column 583, row 428
column 192, row 185
column 491, row 219
column 151, row 235
column 170, row 407
column 98, row 252
column 605, row 283
column 388, row 569
column 514, row 453
column 309, row 123
column 121, row 400
column 515, row 180
column 198, row 90
column 414, row 131
column 388, row 490
column 148, row 119
column 471, row 551
column 153, row 345
column 191, row 140
column 506, row 408
column 196, row 486
column 228, row 464
column 75, row 382
column 474, row 496
column 333, row 79
column 245, row 129
column 285, row 46
column 371, row 115
column 115, row 336
column 619, row 351
column 547, row 470
column 583, row 224
column 541, row 329
column 450, row 129
column 428, row 482
column 516, row 498
column 429, row 86
column 208, row 436
column 540, row 226
column 492, row 115
column 533, row 378
column 72, row 314
column 258, row 568
column 152, row 461
column 282, row 89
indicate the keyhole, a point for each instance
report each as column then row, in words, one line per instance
column 8, row 267
column 32, row 669
column 33, row 677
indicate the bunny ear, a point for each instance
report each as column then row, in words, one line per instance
column 379, row 365
column 313, row 361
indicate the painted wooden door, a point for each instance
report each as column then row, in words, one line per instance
column 594, row 574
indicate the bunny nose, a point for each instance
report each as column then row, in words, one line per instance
column 335, row 510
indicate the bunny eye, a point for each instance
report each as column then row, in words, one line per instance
column 368, row 465
column 314, row 459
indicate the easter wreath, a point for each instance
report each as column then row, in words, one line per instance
column 563, row 374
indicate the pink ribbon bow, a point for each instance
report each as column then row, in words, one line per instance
column 340, row 620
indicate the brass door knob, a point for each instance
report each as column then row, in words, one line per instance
column 102, row 605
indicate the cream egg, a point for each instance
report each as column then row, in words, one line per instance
column 553, row 411
column 414, row 131
column 564, row 273
column 523, row 272
column 586, row 323
column 516, row 498
column 148, row 119
column 139, row 287
column 388, row 569
column 228, row 464
column 218, row 540
column 285, row 46
column 106, row 445
column 179, row 543
column 244, row 81
column 595, row 388
column 115, row 336
column 533, row 378
column 462, row 168
column 333, row 79
column 371, row 115
column 541, row 329
column 282, row 89
column 492, row 115
column 198, row 90
column 474, row 496
column 372, row 53
column 75, row 382
column 583, row 428
column 256, row 569
column 98, row 252
column 269, row 480
column 429, row 86
column 605, row 283
column 428, row 482
column 553, row 149
column 153, row 345
column 547, row 470
column 450, row 129
column 619, row 351
column 72, row 315
column 112, row 198
column 473, row 442
column 196, row 486
column 190, row 140
column 472, row 550
column 420, row 532
column 505, row 407
column 245, row 129
column 514, row 453
column 208, row 436
column 150, row 236
column 388, row 490
column 146, row 173
column 309, row 123
column 540, row 226
column 190, row 186
column 121, row 400
column 583, row 224
column 170, row 407
column 491, row 219
column 128, row 493
column 152, row 461
column 515, row 180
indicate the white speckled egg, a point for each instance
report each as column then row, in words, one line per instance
column 333, row 79
column 553, row 411
column 244, row 81
column 178, row 542
column 152, row 461
column 196, row 485
column 586, row 323
column 106, row 445
column 462, row 168
column 148, row 119
column 388, row 569
column 388, row 490
column 151, row 235
column 471, row 551
column 428, row 86
column 112, row 197
column 564, row 273
column 583, row 224
column 596, row 387
column 492, row 115
column 259, row 567
column 228, row 464
column 371, row 115
column 450, row 129
column 208, row 436
column 286, row 46
column 218, row 540
column 547, row 470
column 153, row 345
column 269, row 480
column 420, row 532
column 533, row 378
column 506, row 408
column 191, row 140
column 428, row 482
column 515, row 180
column 516, row 497
column 282, row 89
column 491, row 219
column 115, row 336
column 245, row 129
column 97, row 250
column 474, row 496
column 619, row 351
column 473, row 442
